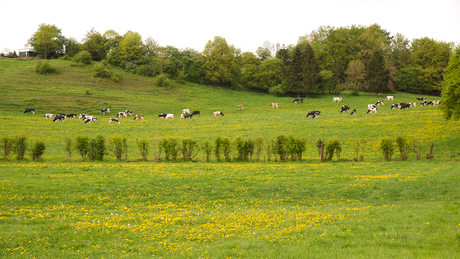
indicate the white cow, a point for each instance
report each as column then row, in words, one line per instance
column 169, row 116
column 370, row 106
column 186, row 111
column 389, row 98
column 217, row 113
column 336, row 99
column 48, row 116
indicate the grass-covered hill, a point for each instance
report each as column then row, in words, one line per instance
column 74, row 90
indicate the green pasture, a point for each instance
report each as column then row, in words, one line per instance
column 53, row 208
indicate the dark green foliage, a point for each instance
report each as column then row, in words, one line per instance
column 258, row 144
column 404, row 147
column 244, row 149
column 20, row 146
column 44, row 67
column 37, row 150
column 97, row 148
column 451, row 87
column 407, row 81
column 6, row 144
column 333, row 146
column 387, row 147
column 83, row 57
column 82, row 146
column 218, row 148
column 377, row 75
column 282, row 147
column 162, row 80
column 143, row 145
column 226, row 146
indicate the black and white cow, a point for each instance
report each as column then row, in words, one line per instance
column 30, row 110
column 395, row 105
column 185, row 116
column 162, row 115
column 72, row 115
column 437, row 102
column 124, row 114
column 129, row 112
column 59, row 117
column 372, row 110
column 370, row 106
column 104, row 111
column 196, row 113
column 90, row 119
column 379, row 103
column 421, row 99
column 345, row 108
column 353, row 112
column 113, row 120
column 404, row 105
column 314, row 114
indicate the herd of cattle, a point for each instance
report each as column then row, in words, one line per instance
column 186, row 114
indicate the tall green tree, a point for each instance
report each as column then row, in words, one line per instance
column 406, row 81
column 263, row 53
column 47, row 39
column 72, row 47
column 356, row 74
column 303, row 76
column 131, row 47
column 377, row 73
column 429, row 58
column 219, row 63
column 94, row 43
column 372, row 39
column 450, row 94
column 400, row 51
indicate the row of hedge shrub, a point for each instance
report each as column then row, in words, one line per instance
column 282, row 148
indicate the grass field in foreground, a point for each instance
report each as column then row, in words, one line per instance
column 233, row 210
column 57, row 209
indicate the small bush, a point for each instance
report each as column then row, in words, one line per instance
column 189, row 149
column 320, row 145
column 143, row 146
column 181, row 76
column 430, row 152
column 44, row 67
column 82, row 146
column 101, row 70
column 6, row 144
column 170, row 147
column 162, row 80
column 281, row 146
column 333, row 146
column 404, row 147
column 244, row 149
column 360, row 146
column 387, row 147
column 97, row 148
column 118, row 145
column 207, row 147
column 20, row 146
column 37, row 150
column 83, row 57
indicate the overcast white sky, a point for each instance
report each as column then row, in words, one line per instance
column 244, row 23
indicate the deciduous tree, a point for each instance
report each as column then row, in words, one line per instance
column 219, row 61
column 95, row 45
column 450, row 94
column 47, row 38
column 377, row 73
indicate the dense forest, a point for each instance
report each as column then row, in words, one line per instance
column 329, row 60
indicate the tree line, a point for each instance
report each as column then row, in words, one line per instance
column 328, row 60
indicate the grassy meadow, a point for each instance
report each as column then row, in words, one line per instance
column 53, row 208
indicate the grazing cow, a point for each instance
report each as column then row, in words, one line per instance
column 412, row 104
column 48, row 116
column 113, row 120
column 85, row 117
column 129, row 112
column 274, row 105
column 345, row 108
column 139, row 116
column 314, row 114
column 169, row 116
column 421, row 99
column 296, row 101
column 372, row 110
column 217, row 113
column 30, row 110
column 240, row 107
column 196, row 113
column 185, row 111
column 124, row 114
column 353, row 112
column 396, row 105
column 163, row 115
column 59, row 117
column 380, row 103
column 90, row 119
column 389, row 98
column 185, row 116
column 104, row 111
column 370, row 106
column 82, row 115
column 404, row 105
column 72, row 115
column 336, row 99
column 436, row 102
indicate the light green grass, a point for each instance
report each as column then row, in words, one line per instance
column 369, row 209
